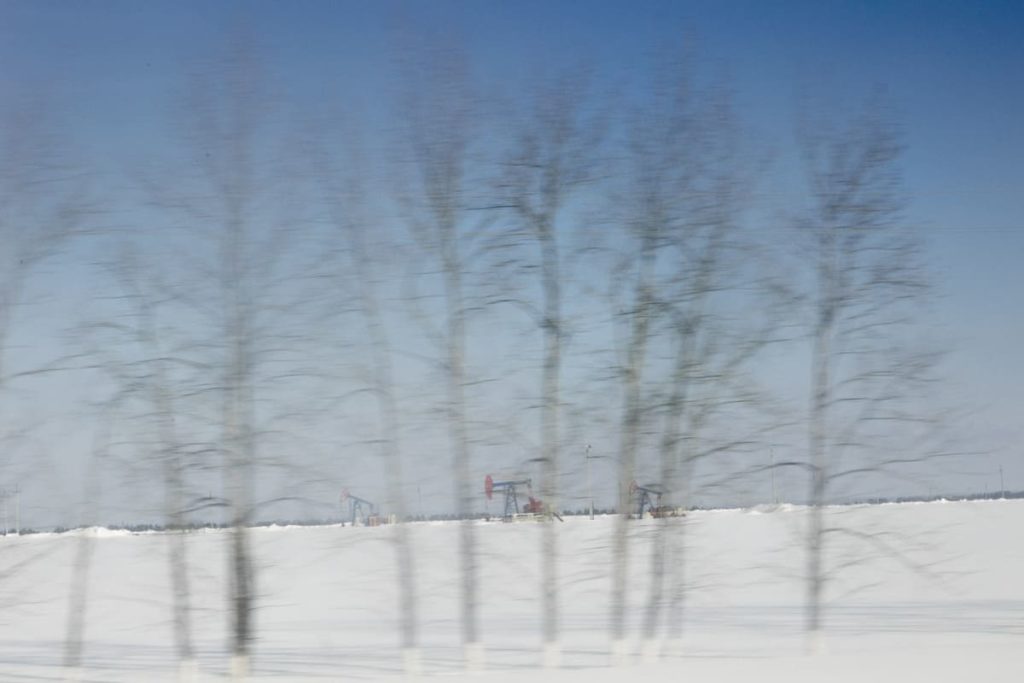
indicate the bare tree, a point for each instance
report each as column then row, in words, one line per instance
column 679, row 210
column 662, row 165
column 867, row 279
column 713, row 259
column 42, row 200
column 692, row 273
column 553, row 153
column 344, row 191
column 233, row 243
column 147, row 368
column 43, row 204
column 441, row 108
column 236, row 274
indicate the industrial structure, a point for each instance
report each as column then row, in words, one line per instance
column 648, row 501
column 532, row 508
column 360, row 511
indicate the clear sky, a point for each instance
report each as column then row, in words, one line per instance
column 953, row 70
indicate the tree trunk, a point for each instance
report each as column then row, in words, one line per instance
column 817, row 438
column 632, row 414
column 669, row 454
column 387, row 408
column 460, row 443
column 550, row 446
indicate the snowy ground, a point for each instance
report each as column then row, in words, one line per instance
column 328, row 601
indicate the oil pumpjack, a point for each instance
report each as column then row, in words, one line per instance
column 360, row 510
column 511, row 489
column 648, row 500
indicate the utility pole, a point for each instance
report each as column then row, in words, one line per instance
column 771, row 469
column 17, row 509
column 590, row 488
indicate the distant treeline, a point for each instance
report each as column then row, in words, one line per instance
column 324, row 521
column 994, row 495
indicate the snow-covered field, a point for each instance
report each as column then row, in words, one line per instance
column 327, row 601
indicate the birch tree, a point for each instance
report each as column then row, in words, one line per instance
column 719, row 310
column 344, row 190
column 441, row 122
column 150, row 370
column 692, row 275
column 233, row 245
column 866, row 282
column 44, row 205
column 662, row 165
column 554, row 153
column 679, row 211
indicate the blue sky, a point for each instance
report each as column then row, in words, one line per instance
column 953, row 71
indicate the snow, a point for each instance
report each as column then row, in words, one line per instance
column 951, row 608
